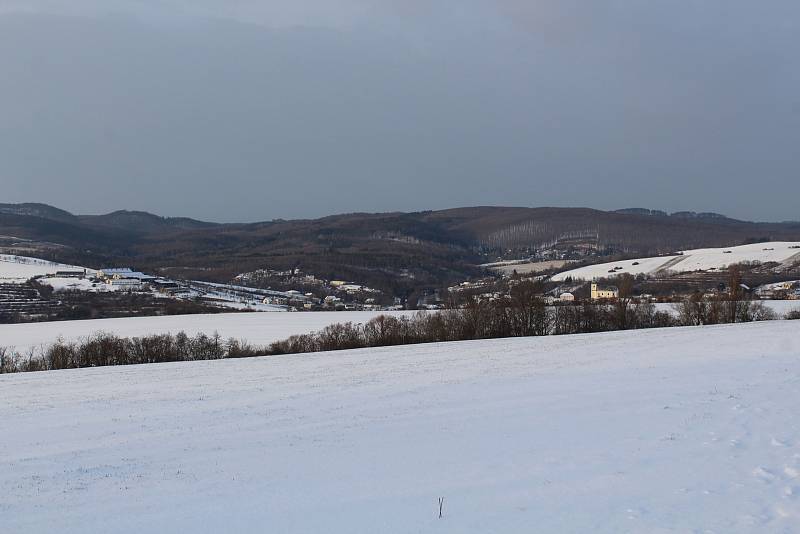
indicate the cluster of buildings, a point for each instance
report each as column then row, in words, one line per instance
column 350, row 288
column 316, row 293
column 781, row 290
column 488, row 290
column 297, row 300
column 294, row 276
column 291, row 298
column 124, row 278
column 322, row 295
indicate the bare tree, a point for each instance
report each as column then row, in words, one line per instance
column 625, row 283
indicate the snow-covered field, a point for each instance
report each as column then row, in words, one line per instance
column 673, row 430
column 18, row 269
column 691, row 260
column 601, row 270
column 780, row 307
column 256, row 328
column 75, row 284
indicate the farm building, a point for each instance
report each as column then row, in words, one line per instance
column 124, row 273
column 124, row 283
column 71, row 274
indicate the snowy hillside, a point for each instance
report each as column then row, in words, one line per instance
column 674, row 430
column 256, row 328
column 18, row 269
column 691, row 260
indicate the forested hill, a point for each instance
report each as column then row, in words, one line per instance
column 385, row 249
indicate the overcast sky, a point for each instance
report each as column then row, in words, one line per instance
column 243, row 110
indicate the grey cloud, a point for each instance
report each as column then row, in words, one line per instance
column 251, row 110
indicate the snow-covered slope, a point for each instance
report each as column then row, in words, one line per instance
column 780, row 307
column 691, row 260
column 256, row 328
column 674, row 430
column 18, row 269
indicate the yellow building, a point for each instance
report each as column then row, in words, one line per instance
column 599, row 293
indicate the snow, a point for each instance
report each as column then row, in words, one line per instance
column 645, row 266
column 256, row 328
column 667, row 430
column 691, row 260
column 719, row 258
column 78, row 284
column 780, row 307
column 19, row 269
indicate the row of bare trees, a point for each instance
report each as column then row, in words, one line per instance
column 522, row 313
column 477, row 321
column 733, row 306
column 697, row 310
column 103, row 349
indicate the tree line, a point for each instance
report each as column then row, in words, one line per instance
column 520, row 314
column 104, row 349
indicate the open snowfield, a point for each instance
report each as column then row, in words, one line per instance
column 692, row 260
column 256, row 328
column 673, row 430
column 18, row 269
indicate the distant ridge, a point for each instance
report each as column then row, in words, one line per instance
column 142, row 221
column 37, row 210
column 678, row 214
column 642, row 211
column 396, row 251
column 694, row 215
